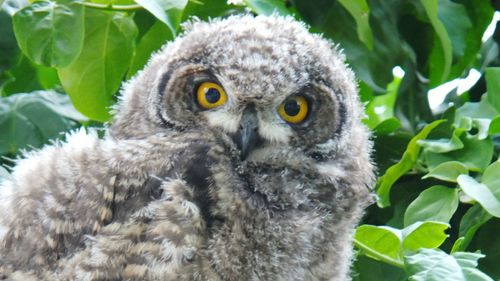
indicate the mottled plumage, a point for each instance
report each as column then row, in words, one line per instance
column 168, row 193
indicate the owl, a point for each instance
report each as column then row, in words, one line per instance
column 236, row 154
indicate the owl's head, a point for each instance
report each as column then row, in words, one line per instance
column 281, row 95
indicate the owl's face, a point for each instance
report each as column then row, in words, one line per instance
column 280, row 99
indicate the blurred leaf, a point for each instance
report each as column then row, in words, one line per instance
column 435, row 265
column 381, row 108
column 8, row 45
column 474, row 218
column 428, row 234
column 486, row 193
column 93, row 78
column 367, row 269
column 21, row 77
column 441, row 56
column 156, row 37
column 447, row 171
column 437, row 203
column 33, row 119
column 493, row 84
column 360, row 11
column 387, row 126
column 385, row 182
column 167, row 11
column 457, row 23
column 480, row 14
column 487, row 241
column 267, row 7
column 50, row 33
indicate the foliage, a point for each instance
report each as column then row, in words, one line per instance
column 438, row 209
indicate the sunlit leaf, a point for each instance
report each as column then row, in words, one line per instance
column 95, row 76
column 428, row 234
column 49, row 32
column 437, row 203
column 379, row 242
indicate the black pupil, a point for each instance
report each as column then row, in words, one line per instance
column 212, row 95
column 292, row 107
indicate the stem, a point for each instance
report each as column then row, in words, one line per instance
column 110, row 6
column 379, row 256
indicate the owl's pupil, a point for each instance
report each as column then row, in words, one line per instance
column 292, row 108
column 212, row 95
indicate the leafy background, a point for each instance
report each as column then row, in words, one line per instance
column 437, row 215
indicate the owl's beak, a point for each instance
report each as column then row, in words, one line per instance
column 247, row 137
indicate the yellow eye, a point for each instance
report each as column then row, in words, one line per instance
column 294, row 109
column 210, row 95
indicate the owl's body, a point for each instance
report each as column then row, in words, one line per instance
column 180, row 191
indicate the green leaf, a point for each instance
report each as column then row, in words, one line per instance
column 441, row 56
column 476, row 115
column 480, row 13
column 387, row 126
column 22, row 77
column 494, row 128
column 385, row 183
column 381, row 107
column 50, row 33
column 93, row 78
column 486, row 193
column 382, row 243
column 167, row 11
column 493, row 84
column 428, row 234
column 447, row 171
column 152, row 41
column 367, row 269
column 360, row 11
column 32, row 119
column 436, row 265
column 443, row 145
column 267, row 7
column 437, row 203
column 473, row 219
column 476, row 154
column 457, row 23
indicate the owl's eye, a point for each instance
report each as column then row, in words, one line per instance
column 294, row 109
column 210, row 95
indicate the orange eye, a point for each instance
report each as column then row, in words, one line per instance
column 294, row 109
column 210, row 95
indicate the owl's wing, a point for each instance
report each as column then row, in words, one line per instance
column 59, row 205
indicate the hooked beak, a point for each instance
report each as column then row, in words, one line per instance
column 247, row 137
